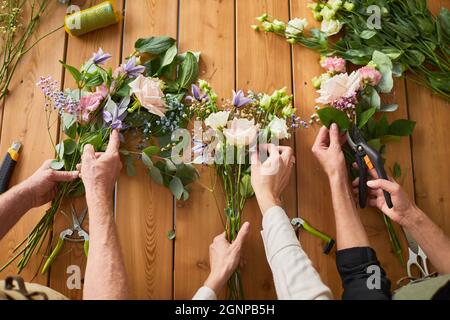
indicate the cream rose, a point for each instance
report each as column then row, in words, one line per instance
column 341, row 85
column 240, row 132
column 331, row 27
column 217, row 120
column 148, row 92
column 278, row 128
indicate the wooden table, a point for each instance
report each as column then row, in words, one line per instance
column 233, row 57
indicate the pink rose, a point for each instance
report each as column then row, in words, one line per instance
column 333, row 64
column 90, row 102
column 370, row 75
column 148, row 92
column 341, row 85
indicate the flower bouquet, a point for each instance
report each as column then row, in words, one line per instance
column 354, row 98
column 405, row 31
column 230, row 135
column 142, row 96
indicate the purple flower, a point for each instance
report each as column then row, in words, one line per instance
column 131, row 69
column 346, row 103
column 239, row 100
column 100, row 57
column 197, row 94
column 55, row 97
column 115, row 117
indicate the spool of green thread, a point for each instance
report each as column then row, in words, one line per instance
column 94, row 18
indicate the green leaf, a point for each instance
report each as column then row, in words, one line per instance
column 392, row 53
column 57, row 165
column 402, row 127
column 156, row 175
column 146, row 160
column 176, row 187
column 384, row 65
column 182, row 56
column 389, row 107
column 375, row 143
column 397, row 171
column 365, row 116
column 171, row 235
column 367, row 34
column 59, row 149
column 170, row 165
column 168, row 58
column 69, row 123
column 69, row 146
column 382, row 127
column 129, row 165
column 151, row 151
column 94, row 81
column 331, row 115
column 188, row 71
column 154, row 45
column 245, row 187
column 389, row 138
column 73, row 71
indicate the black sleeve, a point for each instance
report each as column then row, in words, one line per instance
column 353, row 264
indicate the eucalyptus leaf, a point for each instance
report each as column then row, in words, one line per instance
column 156, row 175
column 176, row 187
column 151, row 151
column 69, row 146
column 171, row 235
column 57, row 165
column 367, row 34
column 389, row 107
column 146, row 160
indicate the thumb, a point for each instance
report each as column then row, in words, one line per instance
column 243, row 233
column 88, row 153
column 386, row 185
column 254, row 160
column 335, row 138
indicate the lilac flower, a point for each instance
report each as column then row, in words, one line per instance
column 197, row 94
column 346, row 103
column 55, row 97
column 131, row 69
column 100, row 57
column 239, row 100
column 114, row 118
column 297, row 122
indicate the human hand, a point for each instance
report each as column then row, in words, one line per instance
column 403, row 205
column 328, row 150
column 99, row 171
column 225, row 258
column 42, row 186
column 271, row 177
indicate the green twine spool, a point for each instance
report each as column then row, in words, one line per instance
column 94, row 18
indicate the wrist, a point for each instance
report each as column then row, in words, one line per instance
column 26, row 194
column 337, row 176
column 411, row 218
column 267, row 201
column 215, row 283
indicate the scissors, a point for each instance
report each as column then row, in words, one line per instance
column 367, row 158
column 67, row 235
column 417, row 258
column 329, row 242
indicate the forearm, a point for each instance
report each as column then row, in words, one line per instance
column 106, row 276
column 13, row 205
column 350, row 231
column 293, row 272
column 430, row 238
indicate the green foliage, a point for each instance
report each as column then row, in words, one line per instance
column 332, row 115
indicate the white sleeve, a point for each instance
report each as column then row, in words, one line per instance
column 293, row 273
column 205, row 293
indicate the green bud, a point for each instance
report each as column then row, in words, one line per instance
column 327, row 13
column 278, row 25
column 288, row 111
column 317, row 16
column 316, row 82
column 291, row 41
column 285, row 100
column 255, row 27
column 267, row 26
column 349, row 6
column 314, row 6
column 263, row 17
column 265, row 102
column 372, row 64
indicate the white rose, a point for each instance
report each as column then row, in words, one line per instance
column 217, row 120
column 278, row 128
column 241, row 132
column 331, row 27
column 296, row 26
column 148, row 92
column 341, row 85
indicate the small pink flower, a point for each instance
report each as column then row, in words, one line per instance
column 89, row 103
column 370, row 75
column 333, row 64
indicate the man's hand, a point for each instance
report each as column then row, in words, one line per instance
column 327, row 149
column 99, row 171
column 42, row 186
column 403, row 206
column 225, row 258
column 271, row 177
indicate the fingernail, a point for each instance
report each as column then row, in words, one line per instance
column 370, row 183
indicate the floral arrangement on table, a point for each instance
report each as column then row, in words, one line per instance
column 231, row 133
column 355, row 98
column 407, row 33
column 143, row 97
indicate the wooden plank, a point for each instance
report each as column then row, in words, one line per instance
column 315, row 203
column 198, row 220
column 263, row 65
column 79, row 49
column 430, row 148
column 24, row 119
column 145, row 209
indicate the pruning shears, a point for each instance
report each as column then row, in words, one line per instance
column 298, row 223
column 67, row 235
column 367, row 158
